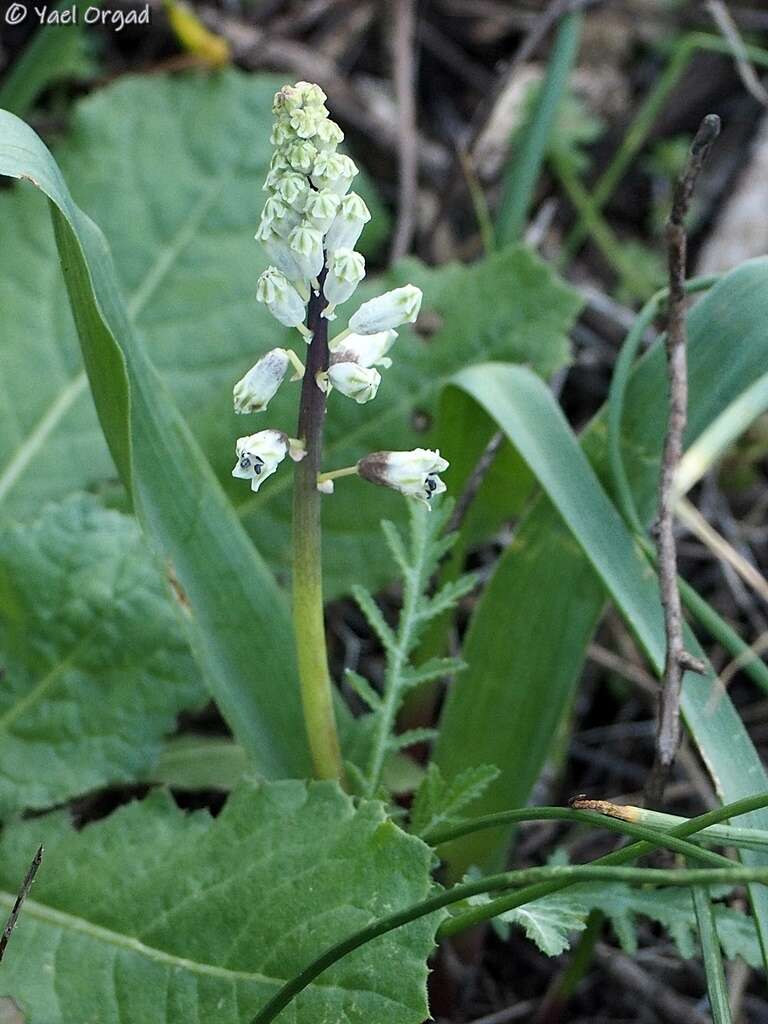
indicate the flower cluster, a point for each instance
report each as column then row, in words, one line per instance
column 309, row 227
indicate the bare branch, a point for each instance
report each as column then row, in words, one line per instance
column 677, row 659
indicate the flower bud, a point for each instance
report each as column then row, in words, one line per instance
column 346, row 271
column 352, row 380
column 321, row 207
column 333, row 171
column 305, row 121
column 364, row 349
column 280, row 297
column 302, row 156
column 293, row 189
column 280, row 255
column 259, row 455
column 306, row 245
column 328, row 135
column 279, row 217
column 255, row 390
column 387, row 311
column 414, row 473
column 348, row 223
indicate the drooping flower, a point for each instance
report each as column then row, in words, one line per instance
column 306, row 245
column 387, row 311
column 259, row 455
column 365, row 349
column 348, row 223
column 333, row 171
column 257, row 388
column 281, row 298
column 414, row 473
column 354, row 381
column 321, row 207
column 346, row 269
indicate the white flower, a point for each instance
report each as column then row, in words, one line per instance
column 306, row 245
column 259, row 455
column 332, row 170
column 414, row 473
column 364, row 349
column 255, row 390
column 328, row 135
column 302, row 156
column 321, row 207
column 280, row 297
column 387, row 311
column 293, row 189
column 280, row 255
column 348, row 223
column 352, row 380
column 278, row 216
column 346, row 271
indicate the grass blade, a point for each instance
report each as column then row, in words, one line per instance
column 524, row 168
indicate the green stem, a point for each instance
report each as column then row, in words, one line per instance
column 334, row 474
column 626, row 853
column 717, row 987
column 308, row 622
column 397, row 658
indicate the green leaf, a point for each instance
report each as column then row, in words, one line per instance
column 165, row 918
column 239, row 627
column 200, row 762
column 550, row 922
column 438, row 802
column 95, row 664
column 545, row 587
column 171, row 169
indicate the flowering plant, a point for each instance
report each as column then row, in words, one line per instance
column 309, row 226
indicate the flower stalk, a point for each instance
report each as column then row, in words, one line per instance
column 308, row 227
column 308, row 621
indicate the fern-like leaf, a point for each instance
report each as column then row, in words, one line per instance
column 438, row 802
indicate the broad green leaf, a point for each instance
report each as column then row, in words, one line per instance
column 157, row 916
column 171, row 170
column 545, row 587
column 239, row 626
column 95, row 665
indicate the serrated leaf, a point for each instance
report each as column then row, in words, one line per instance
column 376, row 621
column 156, row 916
column 410, row 737
column 434, row 668
column 551, row 922
column 449, row 595
column 363, row 689
column 189, row 153
column 440, row 803
column 95, row 664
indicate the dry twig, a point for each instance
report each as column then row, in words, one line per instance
column 403, row 52
column 677, row 659
column 26, row 885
